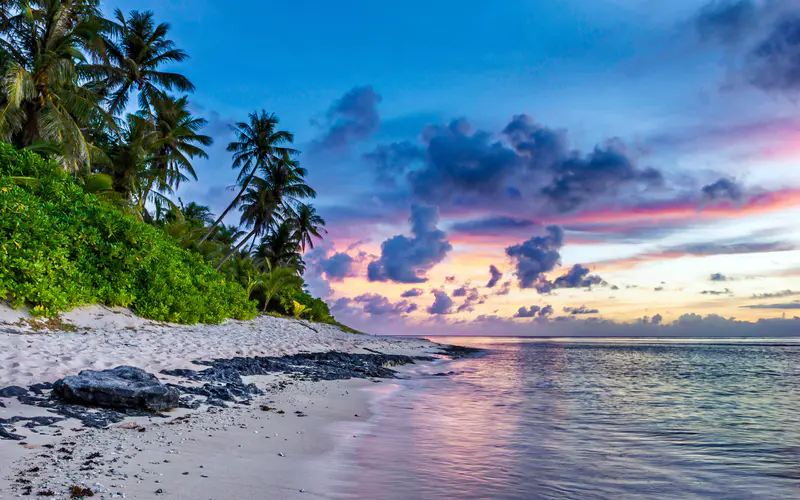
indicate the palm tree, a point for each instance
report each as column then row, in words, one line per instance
column 197, row 214
column 134, row 52
column 128, row 157
column 175, row 143
column 258, row 143
column 277, row 279
column 279, row 249
column 307, row 223
column 42, row 47
column 258, row 212
column 227, row 235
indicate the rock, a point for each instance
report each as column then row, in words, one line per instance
column 12, row 392
column 121, row 387
column 4, row 434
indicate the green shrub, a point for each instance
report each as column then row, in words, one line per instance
column 313, row 308
column 61, row 248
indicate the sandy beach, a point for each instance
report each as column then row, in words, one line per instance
column 280, row 445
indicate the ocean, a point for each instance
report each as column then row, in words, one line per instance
column 588, row 419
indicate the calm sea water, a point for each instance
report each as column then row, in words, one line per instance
column 599, row 419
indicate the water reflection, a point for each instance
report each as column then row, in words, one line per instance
column 592, row 419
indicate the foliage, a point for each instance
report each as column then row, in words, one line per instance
column 104, row 226
column 61, row 248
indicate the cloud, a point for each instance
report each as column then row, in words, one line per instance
column 537, row 256
column 774, row 64
column 414, row 292
column 378, row 305
column 534, row 312
column 723, row 248
column 540, row 255
column 526, row 163
column 338, row 266
column 463, row 290
column 703, row 249
column 792, row 305
column 442, row 304
column 718, row 277
column 602, row 172
column 716, row 292
column 393, row 160
column 690, row 325
column 775, row 295
column 723, row 189
column 726, row 21
column 351, row 118
column 472, row 298
column 578, row 277
column 580, row 310
column 496, row 275
column 406, row 260
column 505, row 288
column 492, row 226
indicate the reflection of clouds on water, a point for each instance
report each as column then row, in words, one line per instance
column 554, row 419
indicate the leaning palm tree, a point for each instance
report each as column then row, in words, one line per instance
column 135, row 50
column 42, row 47
column 227, row 236
column 259, row 209
column 307, row 224
column 258, row 144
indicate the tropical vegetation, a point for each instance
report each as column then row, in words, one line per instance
column 99, row 133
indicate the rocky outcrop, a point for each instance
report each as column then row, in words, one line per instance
column 121, row 387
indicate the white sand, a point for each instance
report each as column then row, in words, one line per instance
column 106, row 338
column 238, row 448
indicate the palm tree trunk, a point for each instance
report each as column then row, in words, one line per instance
column 236, row 249
column 233, row 204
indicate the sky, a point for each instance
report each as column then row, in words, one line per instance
column 525, row 167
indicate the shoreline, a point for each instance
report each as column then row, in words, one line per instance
column 208, row 452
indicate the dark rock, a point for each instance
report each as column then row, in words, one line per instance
column 121, row 387
column 12, row 391
column 457, row 351
column 8, row 435
column 223, row 378
column 39, row 389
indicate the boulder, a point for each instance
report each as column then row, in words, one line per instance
column 121, row 387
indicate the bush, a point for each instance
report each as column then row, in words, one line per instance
column 61, row 248
column 313, row 308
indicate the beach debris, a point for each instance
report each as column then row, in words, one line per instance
column 80, row 492
column 120, row 387
column 46, row 493
column 129, row 425
column 159, row 491
column 281, row 455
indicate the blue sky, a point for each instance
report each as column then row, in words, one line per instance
column 672, row 129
